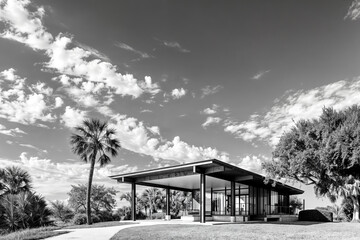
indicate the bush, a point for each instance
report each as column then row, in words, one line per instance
column 316, row 215
column 80, row 219
column 105, row 216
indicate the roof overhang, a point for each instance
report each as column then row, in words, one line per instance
column 185, row 177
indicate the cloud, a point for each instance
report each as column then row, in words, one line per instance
column 252, row 163
column 21, row 104
column 136, row 137
column 178, row 93
column 65, row 56
column 131, row 49
column 54, row 180
column 58, row 102
column 208, row 90
column 354, row 11
column 173, row 44
column 212, row 110
column 260, row 74
column 210, row 121
column 23, row 26
column 73, row 117
column 32, row 147
column 94, row 52
column 303, row 104
column 146, row 111
column 10, row 132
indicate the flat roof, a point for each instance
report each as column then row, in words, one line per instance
column 185, row 177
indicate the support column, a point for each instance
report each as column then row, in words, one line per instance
column 133, row 201
column 168, row 216
column 232, row 209
column 202, row 197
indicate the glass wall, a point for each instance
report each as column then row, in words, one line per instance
column 221, row 200
column 249, row 200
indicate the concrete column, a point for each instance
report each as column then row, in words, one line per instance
column 168, row 216
column 133, row 201
column 202, row 197
column 232, row 210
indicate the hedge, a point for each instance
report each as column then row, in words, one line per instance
column 315, row 215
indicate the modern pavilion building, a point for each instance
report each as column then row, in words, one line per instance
column 226, row 192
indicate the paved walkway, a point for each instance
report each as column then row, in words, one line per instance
column 105, row 233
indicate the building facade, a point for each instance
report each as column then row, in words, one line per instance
column 221, row 192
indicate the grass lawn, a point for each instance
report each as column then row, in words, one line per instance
column 100, row 225
column 32, row 234
column 249, row 231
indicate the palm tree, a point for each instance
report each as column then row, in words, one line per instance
column 14, row 180
column 336, row 210
column 92, row 143
column 151, row 197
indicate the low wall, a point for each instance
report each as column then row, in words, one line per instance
column 222, row 218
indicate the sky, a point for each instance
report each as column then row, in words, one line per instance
column 180, row 81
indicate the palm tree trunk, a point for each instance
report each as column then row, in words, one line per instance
column 88, row 194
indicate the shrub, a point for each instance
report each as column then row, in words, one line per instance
column 316, row 215
column 105, row 216
column 61, row 211
column 23, row 210
column 80, row 219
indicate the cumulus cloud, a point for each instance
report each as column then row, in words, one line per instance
column 137, row 137
column 58, row 102
column 292, row 107
column 23, row 26
column 211, row 120
column 354, row 11
column 252, row 163
column 53, row 179
column 21, row 104
column 208, row 90
column 73, row 117
column 259, row 75
column 178, row 93
column 65, row 56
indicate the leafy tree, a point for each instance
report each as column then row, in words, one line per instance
column 180, row 201
column 295, row 203
column 324, row 152
column 101, row 198
column 140, row 204
column 61, row 211
column 14, row 180
column 93, row 142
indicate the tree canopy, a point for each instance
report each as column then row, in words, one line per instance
column 102, row 198
column 323, row 152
